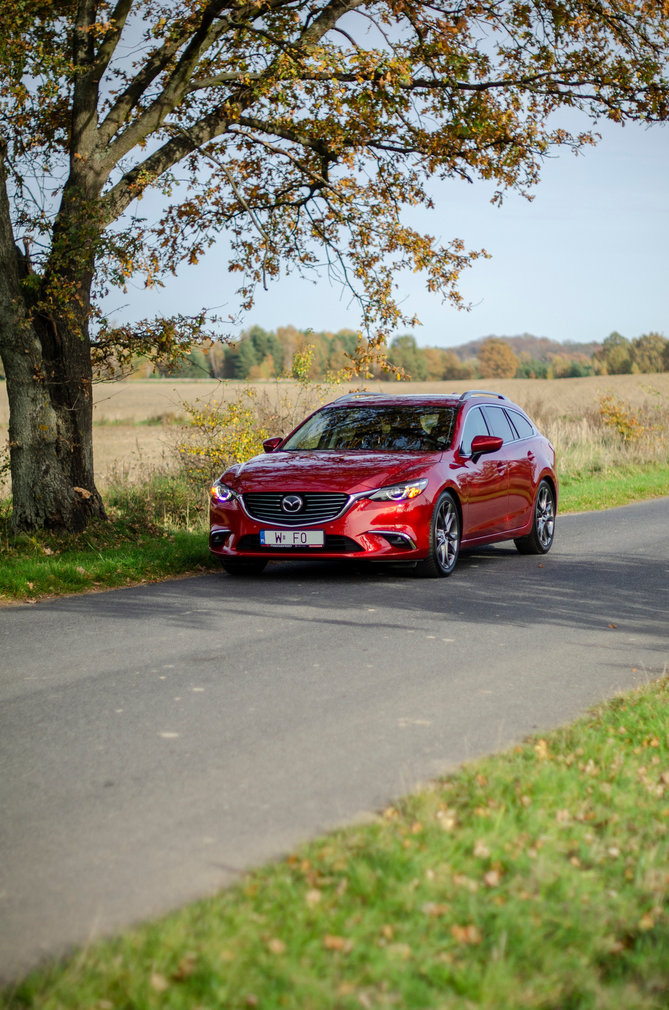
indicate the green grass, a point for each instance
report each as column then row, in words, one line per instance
column 621, row 486
column 153, row 532
column 107, row 556
column 537, row 878
column 158, row 531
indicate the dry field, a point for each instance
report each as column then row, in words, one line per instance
column 135, row 427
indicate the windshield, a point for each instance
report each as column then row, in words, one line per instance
column 376, row 428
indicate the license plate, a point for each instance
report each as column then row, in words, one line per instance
column 292, row 538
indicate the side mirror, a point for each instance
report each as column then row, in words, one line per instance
column 485, row 443
column 270, row 444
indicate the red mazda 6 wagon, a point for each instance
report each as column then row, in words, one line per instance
column 377, row 477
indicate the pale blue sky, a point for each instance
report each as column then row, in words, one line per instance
column 586, row 257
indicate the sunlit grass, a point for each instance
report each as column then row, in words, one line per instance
column 621, row 486
column 154, row 531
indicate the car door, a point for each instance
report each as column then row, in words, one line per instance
column 482, row 482
column 522, row 470
column 518, row 464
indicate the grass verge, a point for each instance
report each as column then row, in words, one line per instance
column 537, row 878
column 622, row 486
column 157, row 531
column 153, row 532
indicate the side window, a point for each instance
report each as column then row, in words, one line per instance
column 498, row 423
column 474, row 425
column 521, row 424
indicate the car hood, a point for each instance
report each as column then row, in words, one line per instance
column 347, row 472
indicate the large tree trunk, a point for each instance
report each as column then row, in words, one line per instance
column 50, row 435
column 48, row 374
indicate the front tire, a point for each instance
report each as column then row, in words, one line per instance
column 243, row 566
column 540, row 539
column 445, row 536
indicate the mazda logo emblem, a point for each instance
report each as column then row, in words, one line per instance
column 292, row 503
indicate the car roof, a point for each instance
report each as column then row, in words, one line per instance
column 420, row 399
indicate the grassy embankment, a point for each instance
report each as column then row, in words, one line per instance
column 537, row 878
column 607, row 456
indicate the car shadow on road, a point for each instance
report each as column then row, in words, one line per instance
column 492, row 586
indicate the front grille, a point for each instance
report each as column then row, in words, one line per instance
column 333, row 545
column 317, row 507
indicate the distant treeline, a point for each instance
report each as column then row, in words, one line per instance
column 259, row 354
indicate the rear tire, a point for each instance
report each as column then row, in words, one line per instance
column 540, row 539
column 243, row 566
column 445, row 536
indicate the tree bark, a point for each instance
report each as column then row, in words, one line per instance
column 49, row 388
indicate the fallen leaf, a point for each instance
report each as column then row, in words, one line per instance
column 461, row 880
column 401, row 950
column 276, row 946
column 158, row 982
column 541, row 749
column 481, row 850
column 466, row 934
column 434, row 910
column 312, row 897
column 186, row 967
column 492, row 878
column 342, row 943
column 447, row 819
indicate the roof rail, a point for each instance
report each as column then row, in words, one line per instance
column 481, row 392
column 358, row 392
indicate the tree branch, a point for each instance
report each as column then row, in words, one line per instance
column 327, row 19
column 202, row 38
column 107, row 48
column 135, row 181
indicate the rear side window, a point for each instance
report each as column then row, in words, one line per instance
column 499, row 424
column 521, row 424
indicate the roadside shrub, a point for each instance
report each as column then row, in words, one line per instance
column 216, row 436
column 621, row 418
column 609, row 435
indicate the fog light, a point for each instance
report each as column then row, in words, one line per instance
column 400, row 540
column 218, row 537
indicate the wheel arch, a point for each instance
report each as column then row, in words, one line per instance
column 552, row 483
column 453, row 491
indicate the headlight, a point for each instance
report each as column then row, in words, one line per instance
column 222, row 493
column 400, row 492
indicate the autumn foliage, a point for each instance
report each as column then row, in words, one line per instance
column 303, row 131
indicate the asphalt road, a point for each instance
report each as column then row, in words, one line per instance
column 155, row 741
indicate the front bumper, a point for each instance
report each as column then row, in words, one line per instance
column 368, row 530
